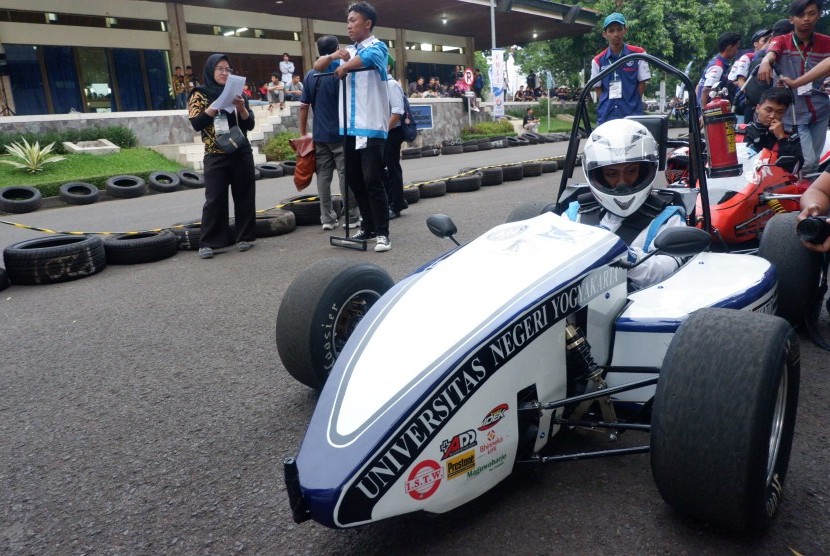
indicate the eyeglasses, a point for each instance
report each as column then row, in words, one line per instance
column 221, row 69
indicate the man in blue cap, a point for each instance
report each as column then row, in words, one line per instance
column 620, row 93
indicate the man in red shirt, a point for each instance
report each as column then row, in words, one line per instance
column 795, row 54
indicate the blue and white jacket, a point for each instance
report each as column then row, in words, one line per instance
column 367, row 98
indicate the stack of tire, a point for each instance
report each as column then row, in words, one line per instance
column 268, row 224
column 306, row 208
column 19, row 199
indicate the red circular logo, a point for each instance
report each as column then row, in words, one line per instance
column 424, row 480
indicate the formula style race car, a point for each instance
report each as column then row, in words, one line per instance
column 547, row 341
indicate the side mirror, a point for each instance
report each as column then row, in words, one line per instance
column 682, row 241
column 442, row 226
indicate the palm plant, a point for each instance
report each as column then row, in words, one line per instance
column 33, row 158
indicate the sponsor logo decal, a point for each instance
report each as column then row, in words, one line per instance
column 424, row 480
column 496, row 414
column 491, row 465
column 493, row 441
column 458, row 444
column 461, row 464
column 389, row 463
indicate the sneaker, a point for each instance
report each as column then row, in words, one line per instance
column 355, row 224
column 330, row 225
column 363, row 235
column 393, row 214
column 243, row 246
column 205, row 253
column 383, row 244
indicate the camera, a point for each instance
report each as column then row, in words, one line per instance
column 813, row 229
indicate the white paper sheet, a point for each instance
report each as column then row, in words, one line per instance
column 233, row 87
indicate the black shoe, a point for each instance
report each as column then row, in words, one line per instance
column 393, row 214
column 363, row 235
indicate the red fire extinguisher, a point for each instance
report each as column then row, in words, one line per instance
column 720, row 125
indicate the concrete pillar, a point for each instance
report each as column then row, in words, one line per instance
column 469, row 53
column 6, row 98
column 308, row 42
column 400, row 55
column 177, row 31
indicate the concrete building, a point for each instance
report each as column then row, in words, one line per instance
column 118, row 55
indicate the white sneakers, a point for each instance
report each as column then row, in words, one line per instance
column 383, row 244
column 330, row 225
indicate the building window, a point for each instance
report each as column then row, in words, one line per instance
column 223, row 30
column 78, row 20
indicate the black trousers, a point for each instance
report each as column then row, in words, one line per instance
column 222, row 170
column 392, row 159
column 364, row 174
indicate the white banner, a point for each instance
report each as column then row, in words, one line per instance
column 497, row 69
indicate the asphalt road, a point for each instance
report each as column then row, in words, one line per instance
column 145, row 410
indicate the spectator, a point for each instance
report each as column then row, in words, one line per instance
column 780, row 27
column 478, row 83
column 531, row 80
column 294, row 90
column 392, row 149
column 530, row 122
column 320, row 94
column 816, row 202
column 794, row 54
column 221, row 169
column 620, row 163
column 416, row 88
column 367, row 123
column 276, row 92
column 179, row 88
column 520, row 94
column 263, row 91
column 740, row 71
column 192, row 82
column 718, row 67
column 766, row 130
column 619, row 94
column 286, row 69
column 246, row 90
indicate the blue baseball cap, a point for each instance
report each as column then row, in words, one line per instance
column 613, row 18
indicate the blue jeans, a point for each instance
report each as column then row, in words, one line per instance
column 812, row 138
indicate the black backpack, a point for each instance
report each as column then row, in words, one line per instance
column 408, row 125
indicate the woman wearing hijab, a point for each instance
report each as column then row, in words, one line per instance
column 222, row 169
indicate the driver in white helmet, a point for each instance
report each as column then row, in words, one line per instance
column 620, row 163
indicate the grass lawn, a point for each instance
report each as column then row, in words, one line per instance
column 88, row 168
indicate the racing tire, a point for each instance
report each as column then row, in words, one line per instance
column 164, row 182
column 288, row 167
column 4, row 279
column 549, row 166
column 270, row 170
column 411, row 194
column 512, row 172
column 485, row 145
column 722, row 425
column 125, row 187
column 306, row 208
column 78, row 193
column 489, row 176
column 531, row 138
column 143, row 247
column 530, row 209
column 433, row 189
column 187, row 235
column 798, row 269
column 464, row 184
column 319, row 311
column 191, row 179
column 18, row 199
column 53, row 259
column 470, row 148
column 430, row 151
column 414, row 152
column 531, row 169
column 257, row 174
column 452, row 149
column 275, row 223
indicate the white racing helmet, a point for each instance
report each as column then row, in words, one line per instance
column 620, row 142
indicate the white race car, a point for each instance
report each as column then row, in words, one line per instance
column 527, row 333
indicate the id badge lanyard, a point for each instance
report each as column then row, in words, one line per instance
column 615, row 85
column 807, row 88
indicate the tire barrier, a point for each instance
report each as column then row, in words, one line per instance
column 411, row 194
column 125, row 187
column 452, row 149
column 191, row 179
column 432, row 189
column 270, row 170
column 276, row 223
column 464, row 184
column 257, row 174
column 144, row 247
column 78, row 193
column 431, row 150
column 549, row 166
column 512, row 172
column 469, row 148
column 490, row 175
column 531, row 169
column 187, row 235
column 306, row 208
column 288, row 167
column 164, row 182
column 19, row 199
column 49, row 260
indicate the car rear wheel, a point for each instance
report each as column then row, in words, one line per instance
column 319, row 312
column 723, row 417
column 797, row 267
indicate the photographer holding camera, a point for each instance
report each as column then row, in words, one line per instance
column 813, row 223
